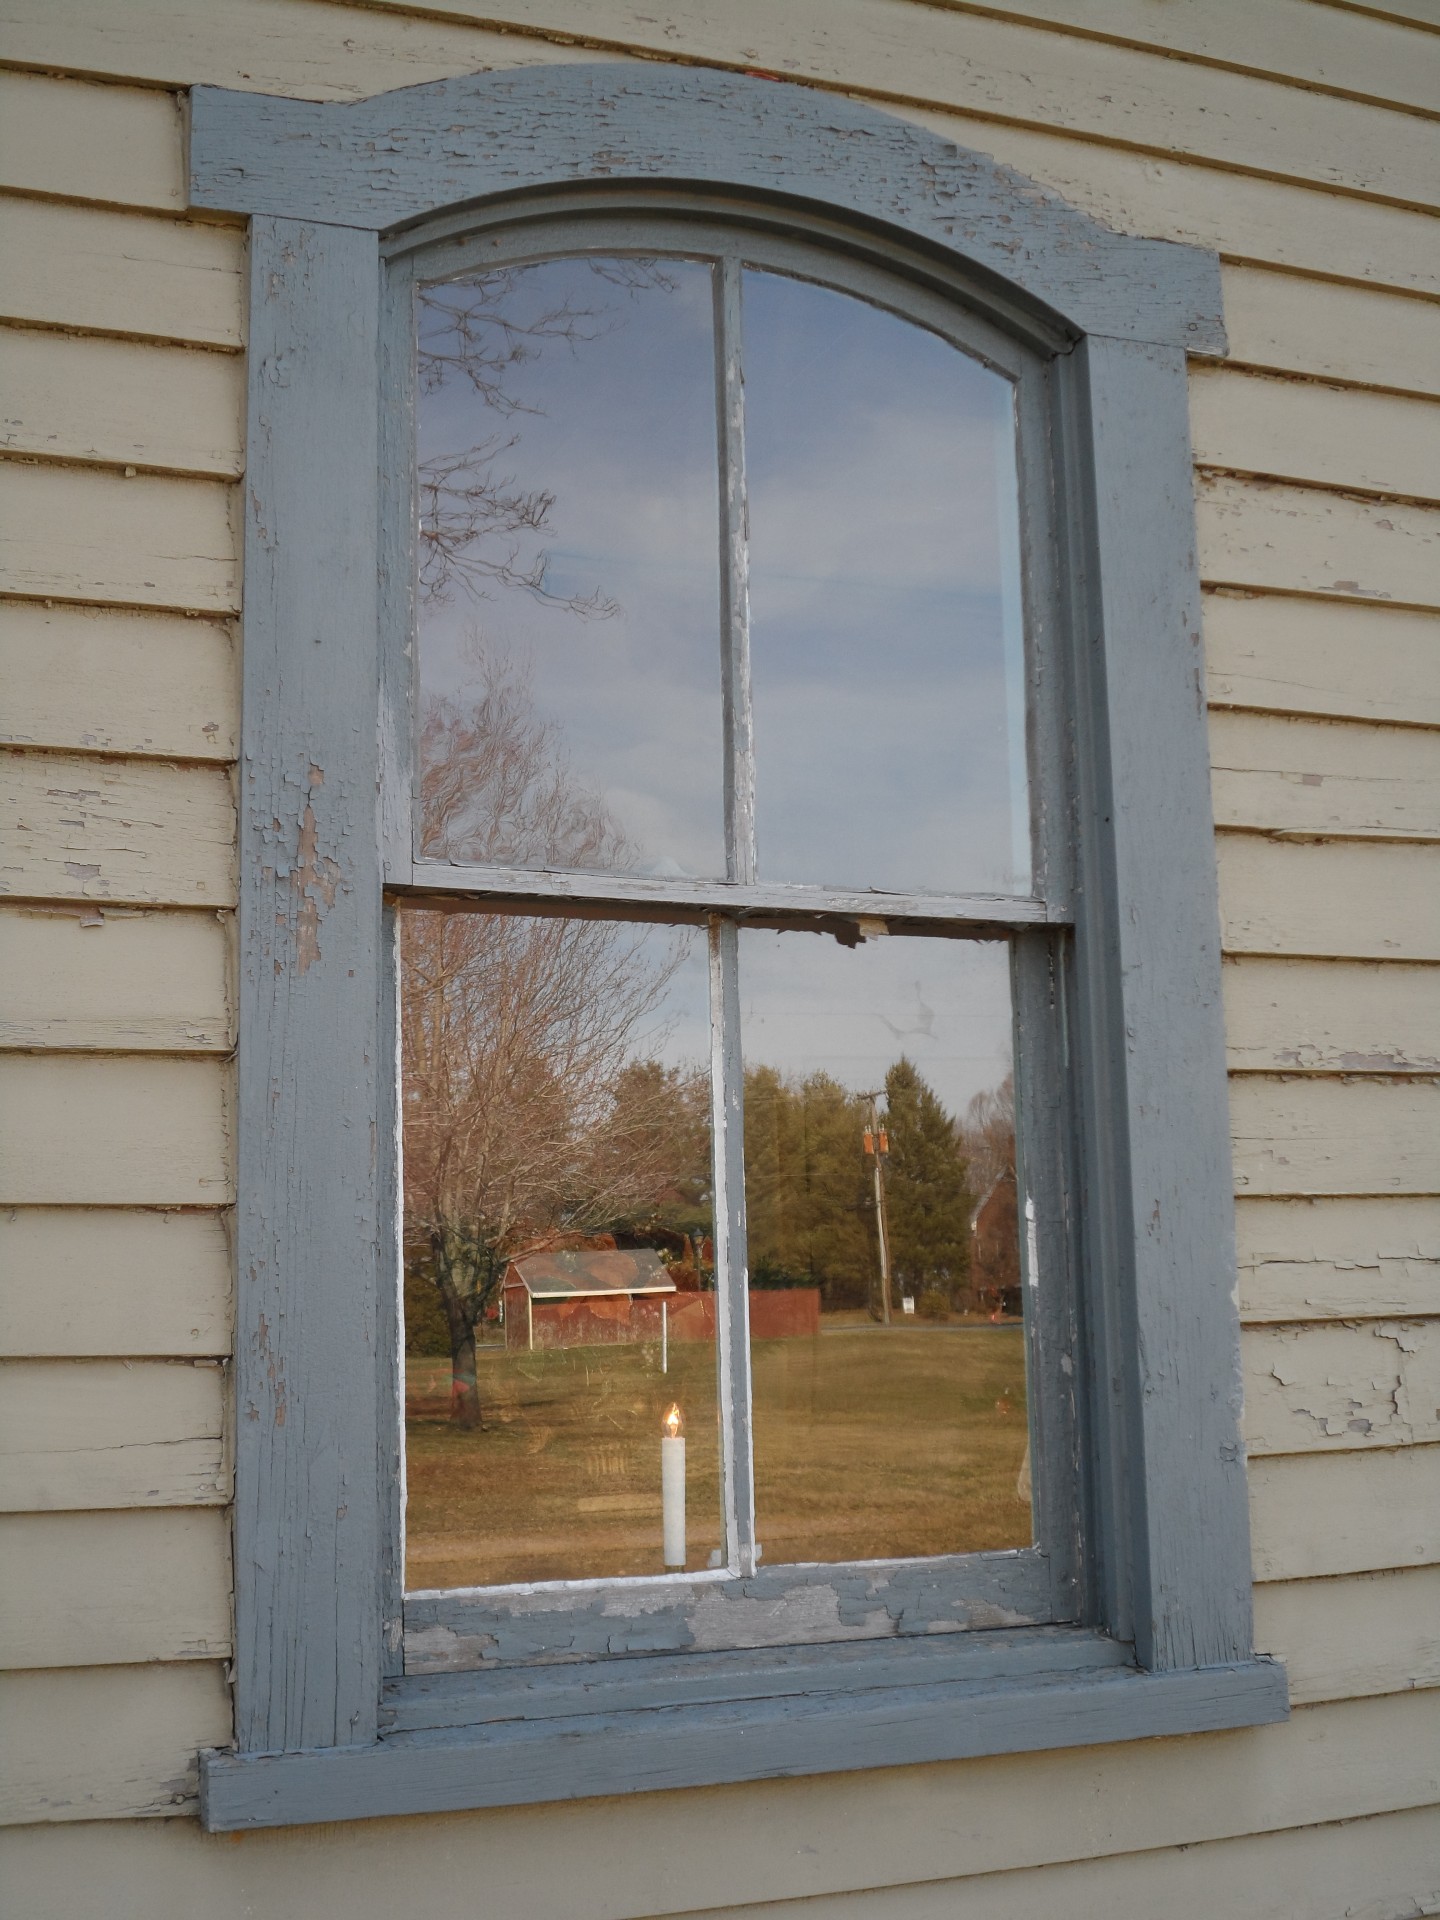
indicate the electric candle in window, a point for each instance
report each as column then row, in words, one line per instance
column 672, row 1489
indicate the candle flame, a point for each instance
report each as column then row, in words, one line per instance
column 673, row 1424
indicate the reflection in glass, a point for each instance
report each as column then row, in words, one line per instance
column 887, row 1345
column 568, row 567
column 559, row 1266
column 886, row 650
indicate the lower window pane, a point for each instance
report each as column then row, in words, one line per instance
column 890, row 1413
column 558, row 1258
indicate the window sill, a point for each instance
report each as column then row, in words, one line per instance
column 513, row 1737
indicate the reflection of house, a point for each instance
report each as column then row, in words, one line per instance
column 573, row 1298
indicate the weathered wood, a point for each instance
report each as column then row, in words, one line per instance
column 111, row 1589
column 78, row 827
column 1338, row 1259
column 116, row 981
column 1305, row 1135
column 1328, row 1388
column 123, row 146
column 1295, row 324
column 1256, row 533
column 1379, row 1509
column 1327, row 435
column 1340, row 1639
column 1331, row 1016
column 1322, row 656
column 175, row 409
column 1325, row 776
column 107, row 1743
column 1348, row 901
column 101, row 681
column 78, row 533
column 87, row 1434
column 121, row 273
column 69, row 1134
column 82, row 1281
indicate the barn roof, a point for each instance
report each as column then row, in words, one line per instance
column 567, row 1275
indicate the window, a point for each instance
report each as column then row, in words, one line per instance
column 724, row 838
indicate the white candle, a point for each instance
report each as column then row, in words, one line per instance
column 672, row 1489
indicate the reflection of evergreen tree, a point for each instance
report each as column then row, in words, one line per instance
column 807, row 1200
column 927, row 1193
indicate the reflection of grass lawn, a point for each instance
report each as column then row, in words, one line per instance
column 869, row 1443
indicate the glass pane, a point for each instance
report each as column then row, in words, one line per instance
column 558, row 1256
column 887, row 1346
column 886, row 649
column 568, row 602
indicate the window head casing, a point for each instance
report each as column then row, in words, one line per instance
column 326, row 1725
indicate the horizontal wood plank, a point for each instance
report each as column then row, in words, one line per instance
column 79, row 533
column 1288, row 655
column 123, row 146
column 98, row 680
column 1380, row 1509
column 113, row 1589
column 1338, row 1259
column 116, row 831
column 124, row 402
column 125, row 273
column 1364, row 1634
column 1329, row 330
column 1300, row 1135
column 80, row 1435
column 114, row 1131
column 116, row 980
column 108, row 1743
column 1331, row 1016
column 1326, row 1389
column 1343, row 901
column 1256, row 533
column 1318, row 433
column 100, row 1281
column 1314, row 776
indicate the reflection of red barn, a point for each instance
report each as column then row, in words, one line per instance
column 589, row 1298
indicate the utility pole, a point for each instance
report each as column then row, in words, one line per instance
column 877, row 1148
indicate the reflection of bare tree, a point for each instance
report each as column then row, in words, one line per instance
column 987, row 1138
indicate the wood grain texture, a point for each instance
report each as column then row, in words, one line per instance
column 120, row 402
column 79, row 533
column 1331, row 1017
column 80, row 1281
column 1379, row 901
column 1297, row 1135
column 1331, row 777
column 1332, row 1388
column 101, row 681
column 1381, row 1509
column 1295, row 324
column 1304, row 430
column 127, row 832
column 1285, row 655
column 1338, row 1259
column 69, row 1134
column 107, row 1743
column 121, row 273
column 113, row 1589
column 123, row 146
column 1341, row 1639
column 1256, row 533
column 89, row 1434
column 116, row 980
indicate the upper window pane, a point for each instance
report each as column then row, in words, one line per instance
column 886, row 649
column 568, row 592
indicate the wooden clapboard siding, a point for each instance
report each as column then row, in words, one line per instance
column 1348, row 901
column 1332, row 1388
column 116, row 980
column 1305, row 430
column 102, row 1281
column 85, row 1434
column 99, row 680
column 119, row 145
column 1314, row 776
column 1302, row 1135
column 1256, row 533
column 1281, row 654
column 122, row 402
column 1345, row 1513
column 1338, row 1259
column 113, row 1589
column 116, row 831
column 1331, row 1016
column 1363, row 1634
column 1295, row 324
column 115, row 1131
column 124, row 273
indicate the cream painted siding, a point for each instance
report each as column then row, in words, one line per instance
column 1299, row 139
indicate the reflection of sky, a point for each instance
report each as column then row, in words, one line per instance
column 624, row 437
column 884, row 586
